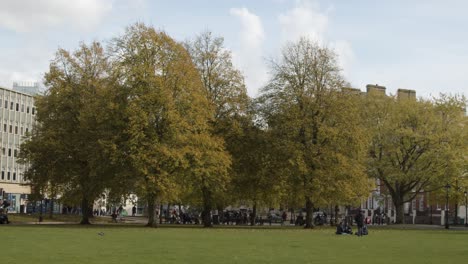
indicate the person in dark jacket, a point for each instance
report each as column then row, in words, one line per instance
column 359, row 222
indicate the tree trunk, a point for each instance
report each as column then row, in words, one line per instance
column 254, row 214
column 309, row 212
column 337, row 210
column 160, row 213
column 400, row 212
column 40, row 213
column 455, row 220
column 152, row 220
column 206, row 214
column 85, row 212
column 51, row 212
column 431, row 216
column 293, row 217
column 219, row 207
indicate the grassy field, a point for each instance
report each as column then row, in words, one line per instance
column 119, row 244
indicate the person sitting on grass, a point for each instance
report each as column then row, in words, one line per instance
column 343, row 229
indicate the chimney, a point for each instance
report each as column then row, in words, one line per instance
column 406, row 94
column 375, row 89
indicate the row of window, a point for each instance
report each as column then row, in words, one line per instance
column 12, row 107
column 15, row 152
column 9, row 176
column 21, row 130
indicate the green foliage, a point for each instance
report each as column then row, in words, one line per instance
column 225, row 90
column 68, row 148
column 317, row 125
column 417, row 146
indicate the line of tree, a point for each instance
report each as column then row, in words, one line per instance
column 172, row 121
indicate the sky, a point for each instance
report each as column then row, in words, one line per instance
column 418, row 44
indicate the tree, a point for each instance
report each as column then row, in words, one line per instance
column 225, row 90
column 223, row 83
column 68, row 146
column 323, row 138
column 258, row 178
column 415, row 146
column 165, row 108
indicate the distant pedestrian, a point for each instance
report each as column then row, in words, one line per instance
column 359, row 222
column 134, row 210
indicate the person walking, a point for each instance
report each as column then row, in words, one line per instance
column 359, row 222
column 134, row 210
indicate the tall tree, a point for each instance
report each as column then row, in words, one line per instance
column 258, row 179
column 225, row 90
column 68, row 146
column 165, row 108
column 416, row 146
column 318, row 124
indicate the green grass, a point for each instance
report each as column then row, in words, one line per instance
column 135, row 244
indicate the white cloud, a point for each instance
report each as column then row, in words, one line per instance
column 345, row 54
column 30, row 15
column 27, row 61
column 307, row 19
column 304, row 19
column 250, row 55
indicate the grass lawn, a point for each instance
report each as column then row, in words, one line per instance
column 120, row 244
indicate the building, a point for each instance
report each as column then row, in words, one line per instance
column 17, row 117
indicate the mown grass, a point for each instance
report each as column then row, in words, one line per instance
column 119, row 244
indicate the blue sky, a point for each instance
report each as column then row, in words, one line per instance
column 420, row 45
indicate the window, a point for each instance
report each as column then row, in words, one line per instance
column 9, row 152
column 17, row 107
column 14, row 176
column 33, row 110
column 16, row 130
column 3, row 175
column 4, row 127
column 26, row 130
column 3, row 151
column 27, row 110
column 6, row 104
column 11, row 105
column 22, row 107
column 15, row 154
column 421, row 203
column 8, row 176
column 11, row 128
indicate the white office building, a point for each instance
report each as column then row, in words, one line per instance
column 17, row 116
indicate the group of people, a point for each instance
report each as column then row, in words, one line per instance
column 379, row 219
column 343, row 228
column 183, row 218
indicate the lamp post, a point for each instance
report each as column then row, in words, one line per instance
column 466, row 209
column 447, row 187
